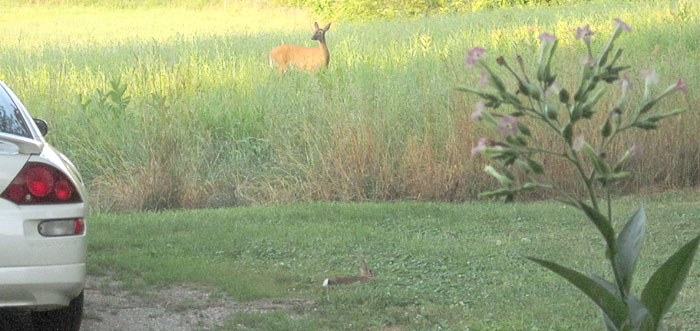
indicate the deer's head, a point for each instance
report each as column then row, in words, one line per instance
column 320, row 34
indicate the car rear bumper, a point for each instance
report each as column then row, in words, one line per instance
column 42, row 287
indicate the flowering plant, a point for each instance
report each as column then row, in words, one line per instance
column 516, row 165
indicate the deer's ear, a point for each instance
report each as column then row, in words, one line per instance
column 327, row 27
column 316, row 25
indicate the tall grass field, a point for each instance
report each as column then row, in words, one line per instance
column 177, row 107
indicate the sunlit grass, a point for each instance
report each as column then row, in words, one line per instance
column 208, row 123
column 31, row 27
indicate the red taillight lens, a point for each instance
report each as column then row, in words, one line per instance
column 78, row 226
column 15, row 192
column 40, row 183
column 63, row 190
column 39, row 180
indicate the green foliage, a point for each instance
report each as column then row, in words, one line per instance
column 663, row 286
column 627, row 247
column 612, row 306
column 621, row 310
column 335, row 9
column 382, row 123
column 373, row 9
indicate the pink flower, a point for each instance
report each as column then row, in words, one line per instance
column 623, row 25
column 508, row 126
column 480, row 146
column 474, row 55
column 650, row 76
column 585, row 33
column 681, row 86
column 483, row 80
column 546, row 37
column 478, row 109
column 578, row 143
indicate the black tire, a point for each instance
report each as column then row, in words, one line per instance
column 63, row 319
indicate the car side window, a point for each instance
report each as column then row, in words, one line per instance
column 11, row 120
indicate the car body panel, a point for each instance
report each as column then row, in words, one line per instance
column 41, row 287
column 37, row 272
column 24, row 246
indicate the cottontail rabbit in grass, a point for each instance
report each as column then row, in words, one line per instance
column 365, row 275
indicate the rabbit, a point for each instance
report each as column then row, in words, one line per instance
column 366, row 274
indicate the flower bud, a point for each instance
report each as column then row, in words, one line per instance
column 564, row 96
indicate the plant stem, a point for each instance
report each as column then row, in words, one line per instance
column 607, row 192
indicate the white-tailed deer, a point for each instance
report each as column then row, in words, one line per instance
column 366, row 274
column 309, row 59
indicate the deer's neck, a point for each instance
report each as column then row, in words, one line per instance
column 326, row 53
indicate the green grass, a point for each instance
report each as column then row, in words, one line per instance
column 202, row 111
column 439, row 265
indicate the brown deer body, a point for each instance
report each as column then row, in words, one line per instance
column 309, row 59
column 366, row 274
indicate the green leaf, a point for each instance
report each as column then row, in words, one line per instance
column 535, row 185
column 601, row 222
column 627, row 247
column 647, row 106
column 504, row 180
column 611, row 289
column 609, row 303
column 640, row 316
column 657, row 117
column 592, row 101
column 495, row 81
column 615, row 58
column 484, row 95
column 637, row 312
column 497, row 193
column 663, row 286
column 606, row 129
column 645, row 125
column 537, row 166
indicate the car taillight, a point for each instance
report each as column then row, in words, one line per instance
column 40, row 183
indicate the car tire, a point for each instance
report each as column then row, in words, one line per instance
column 63, row 319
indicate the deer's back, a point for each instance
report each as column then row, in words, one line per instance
column 304, row 58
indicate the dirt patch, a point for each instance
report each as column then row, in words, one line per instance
column 185, row 308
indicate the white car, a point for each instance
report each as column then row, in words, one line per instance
column 42, row 223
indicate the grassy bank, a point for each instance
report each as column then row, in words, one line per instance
column 438, row 265
column 166, row 107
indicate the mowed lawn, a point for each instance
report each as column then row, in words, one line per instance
column 439, row 265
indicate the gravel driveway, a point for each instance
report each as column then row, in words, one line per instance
column 182, row 308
